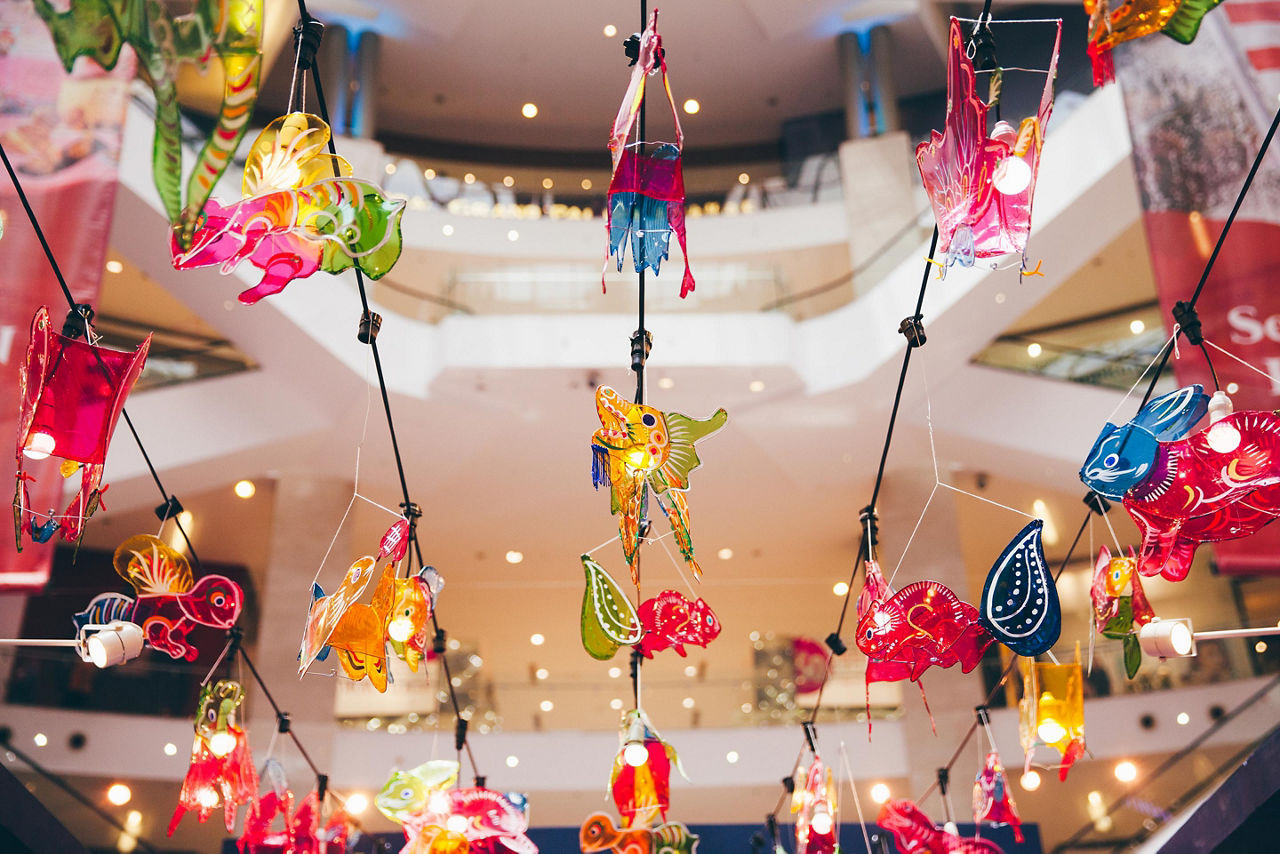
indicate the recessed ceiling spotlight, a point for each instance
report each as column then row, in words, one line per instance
column 610, row 31
column 1137, row 327
column 1260, row 647
column 529, row 110
column 514, row 556
column 541, row 673
column 725, row 554
column 469, row 178
column 428, row 174
column 356, row 803
column 690, row 670
column 119, row 794
column 692, row 106
column 513, row 235
column 840, row 588
column 756, row 386
column 732, row 757
column 1034, row 350
column 744, row 178
column 586, row 183
column 245, row 488
column 546, row 705
column 508, row 181
column 537, row 639
column 615, row 672
column 666, row 383
column 687, row 702
column 547, row 183
column 170, row 749
column 1183, row 718
column 615, row 704
column 513, row 761
column 391, row 168
column 114, row 266
column 446, row 230
column 40, row 739
column 879, row 793
column 1126, row 771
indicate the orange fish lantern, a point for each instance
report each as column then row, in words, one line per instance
column 1051, row 711
column 221, row 771
column 71, row 393
column 1131, row 19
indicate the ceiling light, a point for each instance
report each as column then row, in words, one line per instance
column 356, row 804
column 542, row 673
column 692, row 106
column 245, row 488
column 690, row 670
column 1034, row 350
column 40, row 739
column 114, row 266
column 513, row 761
column 391, row 168
column 610, row 31
column 744, row 178
column 615, row 672
column 1050, row 531
column 756, row 386
column 1137, row 327
column 469, row 178
column 133, row 821
column 170, row 749
column 119, row 794
column 1126, row 771
column 508, row 181
column 666, row 383
column 513, row 235
column 428, row 174
column 514, row 556
column 586, row 183
column 747, row 708
column 537, row 639
column 1260, row 647
column 840, row 588
column 615, row 704
column 529, row 110
column 725, row 554
column 687, row 702
column 879, row 793
column 547, row 183
column 732, row 757
column 1183, row 718
column 1030, row 780
column 546, row 705
column 446, row 230
column 1000, row 298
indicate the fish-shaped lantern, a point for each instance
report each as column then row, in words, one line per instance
column 485, row 819
column 637, row 449
column 301, row 212
column 646, row 190
column 670, row 620
column 327, row 611
column 408, row 622
column 915, row 833
column 1131, row 19
column 641, row 779
column 1117, row 615
column 981, row 185
column 1051, row 711
column 992, row 797
column 1020, row 600
column 813, row 803
column 1220, row 483
column 609, row 620
column 221, row 771
column 599, row 835
column 405, row 794
column 70, row 396
column 168, row 604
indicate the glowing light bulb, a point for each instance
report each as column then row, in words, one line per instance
column 456, row 823
column 207, row 797
column 1126, row 771
column 1223, row 437
column 1030, row 780
column 245, row 489
column 119, row 794
column 821, row 823
column 222, row 743
column 879, row 793
column 400, row 629
column 1011, row 176
column 1050, row 731
column 635, row 754
column 356, row 804
column 39, row 446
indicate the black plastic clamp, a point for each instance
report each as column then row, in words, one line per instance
column 811, row 736
column 169, row 509
column 913, row 328
column 283, row 724
column 640, row 354
column 836, row 644
column 1184, row 314
column 789, row 783
column 370, row 323
column 1097, row 503
column 460, row 733
column 78, row 319
column 944, row 780
column 869, row 521
column 307, row 34
column 437, row 643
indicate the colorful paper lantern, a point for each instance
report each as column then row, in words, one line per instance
column 670, row 620
column 609, row 620
column 1220, row 483
column 915, row 833
column 231, row 30
column 641, row 779
column 1131, row 19
column 993, row 798
column 599, row 834
column 1020, row 600
column 981, row 185
column 814, row 805
column 70, row 396
column 1116, row 615
column 168, row 604
column 639, row 448
column 646, row 190
column 1051, row 711
column 301, row 212
column 221, row 771
column 486, row 821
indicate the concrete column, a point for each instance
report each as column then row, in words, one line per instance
column 364, row 85
column 884, row 88
column 305, row 509
column 333, row 63
column 853, row 76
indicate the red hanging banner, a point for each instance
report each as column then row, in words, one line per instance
column 62, row 134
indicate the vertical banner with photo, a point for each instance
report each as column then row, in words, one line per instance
column 62, row 133
column 1197, row 115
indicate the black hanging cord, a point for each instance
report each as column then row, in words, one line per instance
column 641, row 332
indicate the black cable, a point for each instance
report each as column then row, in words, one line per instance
column 279, row 712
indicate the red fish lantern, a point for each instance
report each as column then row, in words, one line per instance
column 981, row 186
column 71, row 393
column 646, row 191
column 814, row 805
column 914, row 833
column 221, row 771
column 992, row 797
column 670, row 621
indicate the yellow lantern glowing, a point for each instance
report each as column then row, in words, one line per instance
column 1052, row 710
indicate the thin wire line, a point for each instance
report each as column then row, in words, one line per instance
column 398, row 514
column 857, row 803
column 1231, row 355
column 676, row 564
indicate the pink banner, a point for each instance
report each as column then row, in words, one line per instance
column 1197, row 115
column 62, row 134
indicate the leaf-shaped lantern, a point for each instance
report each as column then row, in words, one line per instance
column 1019, row 600
column 609, row 620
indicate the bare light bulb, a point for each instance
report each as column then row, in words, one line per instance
column 635, row 754
column 356, row 804
column 1030, row 780
column 222, row 743
column 39, row 446
column 456, row 823
column 1011, row 176
column 400, row 629
column 821, row 822
column 1050, row 731
column 207, row 797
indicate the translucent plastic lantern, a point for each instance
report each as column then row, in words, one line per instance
column 71, row 394
column 1020, row 599
column 1120, row 606
column 915, row 832
column 221, row 771
column 1051, row 711
column 641, row 779
column 993, row 798
column 1131, row 19
column 814, row 805
column 471, row 819
column 646, row 190
column 609, row 620
column 981, row 184
column 599, row 835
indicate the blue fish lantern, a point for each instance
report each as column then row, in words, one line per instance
column 1020, row 601
column 1123, row 457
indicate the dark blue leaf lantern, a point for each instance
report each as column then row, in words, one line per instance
column 1020, row 601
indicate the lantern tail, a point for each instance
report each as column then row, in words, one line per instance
column 1104, row 67
column 1073, row 752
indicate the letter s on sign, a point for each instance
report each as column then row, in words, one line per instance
column 1245, row 326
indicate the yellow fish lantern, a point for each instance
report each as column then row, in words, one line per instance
column 1111, row 24
column 639, row 448
column 409, row 619
column 1052, row 710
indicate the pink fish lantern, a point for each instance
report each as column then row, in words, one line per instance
column 258, row 836
column 914, row 832
column 993, row 799
column 489, row 820
column 981, row 185
column 670, row 620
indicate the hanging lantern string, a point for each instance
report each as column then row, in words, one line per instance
column 283, row 723
column 1253, row 368
column 639, row 360
column 857, row 803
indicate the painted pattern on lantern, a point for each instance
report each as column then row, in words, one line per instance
column 993, row 798
column 915, row 833
column 1020, row 600
column 1117, row 615
column 670, row 620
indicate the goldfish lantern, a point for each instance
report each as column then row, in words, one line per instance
column 1051, row 711
column 1178, row 19
column 221, row 771
column 1020, row 600
column 670, row 621
column 813, row 802
column 646, row 190
column 301, row 212
column 359, row 639
column 981, row 186
column 473, row 819
column 599, row 835
column 914, row 832
column 1220, row 483
column 168, row 603
column 408, row 622
column 1115, row 615
column 406, row 793
column 638, row 449
column 70, row 396
column 609, row 620
column 992, row 797
column 641, row 777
